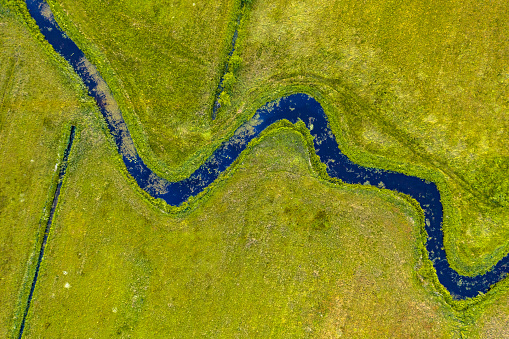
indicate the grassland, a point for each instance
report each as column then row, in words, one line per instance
column 276, row 255
column 163, row 61
column 39, row 99
column 274, row 249
column 426, row 93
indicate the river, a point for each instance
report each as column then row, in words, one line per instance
column 294, row 107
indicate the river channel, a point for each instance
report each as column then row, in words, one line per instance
column 292, row 108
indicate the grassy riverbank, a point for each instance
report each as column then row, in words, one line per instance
column 424, row 92
column 39, row 99
column 163, row 62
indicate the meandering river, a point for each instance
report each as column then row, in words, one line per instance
column 292, row 108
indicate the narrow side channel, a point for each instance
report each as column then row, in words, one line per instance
column 220, row 86
column 61, row 174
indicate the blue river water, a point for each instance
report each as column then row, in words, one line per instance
column 293, row 108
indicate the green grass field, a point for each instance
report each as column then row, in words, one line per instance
column 426, row 92
column 163, row 62
column 39, row 99
column 274, row 250
column 283, row 254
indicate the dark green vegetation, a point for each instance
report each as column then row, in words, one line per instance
column 274, row 248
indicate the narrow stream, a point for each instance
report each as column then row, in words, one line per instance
column 293, row 108
column 61, row 174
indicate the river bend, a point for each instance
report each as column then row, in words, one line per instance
column 292, row 108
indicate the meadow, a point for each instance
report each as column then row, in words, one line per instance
column 283, row 254
column 424, row 93
column 39, row 99
column 275, row 249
